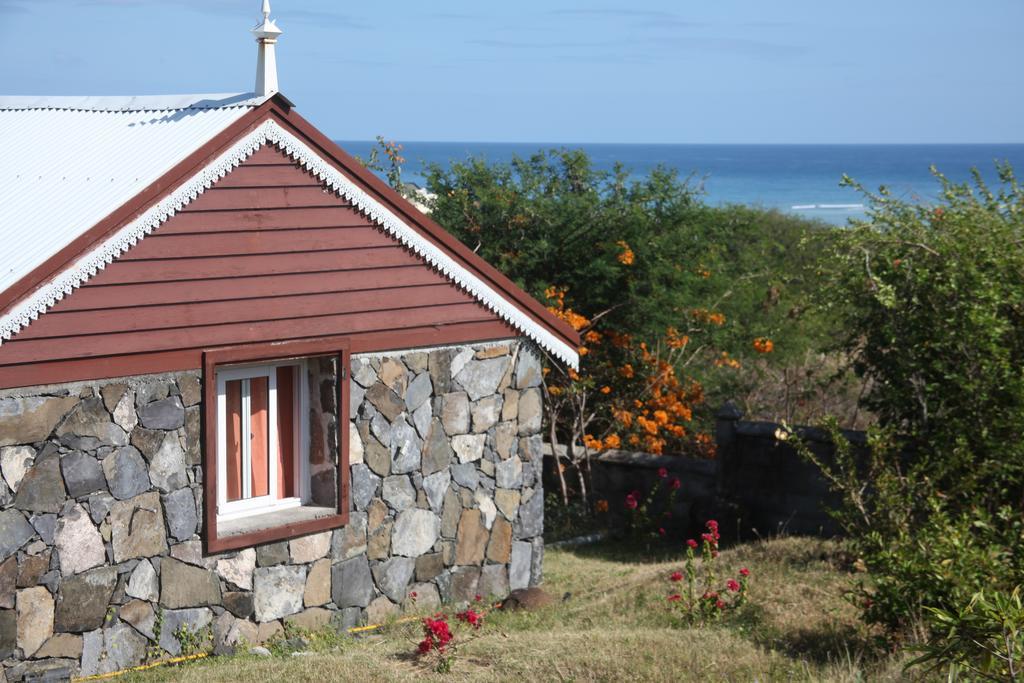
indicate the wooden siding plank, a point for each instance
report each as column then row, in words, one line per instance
column 236, row 198
column 74, row 324
column 16, row 351
column 248, row 175
column 264, row 264
column 256, row 242
column 267, row 219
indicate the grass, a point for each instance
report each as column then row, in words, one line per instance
column 613, row 626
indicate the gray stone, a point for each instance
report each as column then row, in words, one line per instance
column 399, row 492
column 277, row 591
column 485, row 504
column 466, row 475
column 126, row 472
column 465, row 582
column 271, row 554
column 166, row 414
column 29, row 420
column 493, row 581
column 309, row 548
column 537, row 561
column 437, row 450
column 193, row 437
column 356, row 394
column 377, row 457
column 385, row 401
column 469, row 447
column 88, row 426
column 350, row 540
column 148, row 441
column 485, row 413
column 8, row 582
column 364, row 486
column 141, row 615
column 259, row 651
column 519, row 565
column 238, row 570
column 82, row 474
column 61, row 645
column 182, row 585
column 83, row 598
column 112, row 649
column 509, row 405
column 363, row 372
column 455, row 413
column 352, row 583
column 380, row 610
column 439, row 366
column 42, row 487
column 418, row 392
column 405, row 448
column 45, row 525
column 531, row 411
column 167, row 467
column 138, row 527
column 194, row 620
column 35, row 618
column 99, row 506
column 180, row 509
column 393, row 577
column 509, row 473
column 421, row 419
column 505, row 439
column 239, row 603
column 192, row 553
column 459, row 360
column 531, row 517
column 481, row 377
column 15, row 461
column 528, row 370
column 429, row 566
column 152, row 390
column 415, row 532
column 143, row 583
column 381, row 429
column 15, row 532
column 8, row 634
column 79, row 544
column 435, row 487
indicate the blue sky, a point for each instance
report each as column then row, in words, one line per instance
column 744, row 71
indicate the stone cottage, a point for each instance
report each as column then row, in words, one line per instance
column 244, row 384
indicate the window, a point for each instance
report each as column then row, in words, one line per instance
column 275, row 460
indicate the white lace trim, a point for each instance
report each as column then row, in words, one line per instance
column 30, row 308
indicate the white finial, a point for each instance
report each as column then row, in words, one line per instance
column 266, row 61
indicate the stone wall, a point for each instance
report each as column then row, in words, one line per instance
column 101, row 562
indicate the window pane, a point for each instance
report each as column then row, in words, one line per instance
column 259, row 437
column 286, row 398
column 233, row 430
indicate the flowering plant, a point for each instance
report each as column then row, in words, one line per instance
column 703, row 599
column 640, row 508
column 440, row 643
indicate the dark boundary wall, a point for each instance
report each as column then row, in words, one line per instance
column 757, row 486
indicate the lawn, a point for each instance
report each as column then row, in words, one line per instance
column 610, row 624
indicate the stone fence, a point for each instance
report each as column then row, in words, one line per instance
column 758, row 485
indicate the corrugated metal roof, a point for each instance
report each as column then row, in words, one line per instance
column 68, row 162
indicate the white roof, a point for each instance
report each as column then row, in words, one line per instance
column 68, row 162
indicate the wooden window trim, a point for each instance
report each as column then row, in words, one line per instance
column 270, row 351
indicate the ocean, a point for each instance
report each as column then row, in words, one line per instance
column 802, row 179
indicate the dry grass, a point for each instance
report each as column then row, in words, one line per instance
column 614, row 627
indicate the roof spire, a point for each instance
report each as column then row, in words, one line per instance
column 266, row 61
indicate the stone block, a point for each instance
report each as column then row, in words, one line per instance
column 493, row 581
column 89, row 426
column 82, row 600
column 143, row 583
column 385, row 401
column 393, row 576
column 271, row 554
column 455, row 415
column 180, row 510
column 238, row 570
column 310, row 548
column 469, row 447
column 508, row 474
column 507, row 502
column 167, row 414
column 183, row 585
column 471, row 540
column 435, row 486
column 318, row 584
column 530, row 522
column 141, row 615
column 32, row 569
column 15, row 532
column 194, row 619
column 239, row 603
column 528, row 370
column 464, row 584
column 437, row 449
column 531, row 411
column 8, row 582
column 439, row 366
column 380, row 610
column 35, row 618
column 499, row 548
column 15, row 461
column 429, row 566
column 126, row 472
column 420, row 389
column 8, row 633
column 138, row 527
column 42, row 487
column 483, row 502
column 82, row 474
column 29, row 420
column 519, row 565
column 364, row 485
column 399, row 493
column 415, row 533
column 312, row 619
column 350, row 540
column 278, row 591
column 352, row 583
column 61, row 645
column 423, row 597
column 481, row 377
column 355, row 445
column 191, row 390
column 422, row 418
column 406, row 447
column 167, row 466
column 485, row 413
column 79, row 544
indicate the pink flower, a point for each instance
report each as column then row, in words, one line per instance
column 732, row 585
column 661, row 531
column 675, row 484
column 675, row 597
column 692, row 543
column 720, row 605
column 631, row 502
column 744, row 572
column 676, row 576
column 662, row 472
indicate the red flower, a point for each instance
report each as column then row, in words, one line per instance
column 675, row 484
column 692, row 543
column 720, row 605
column 744, row 572
column 662, row 472
column 426, row 645
column 661, row 531
column 712, row 525
column 471, row 617
column 732, row 585
column 413, row 595
column 636, row 494
column 676, row 576
column 676, row 597
column 631, row 502
column 479, row 598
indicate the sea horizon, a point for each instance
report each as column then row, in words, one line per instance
column 798, row 178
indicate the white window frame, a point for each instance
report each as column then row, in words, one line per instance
column 269, row 503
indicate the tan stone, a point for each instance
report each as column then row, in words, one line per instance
column 510, row 406
column 392, row 374
column 28, row 420
column 65, row 645
column 504, row 437
column 310, row 548
column 139, row 614
column 380, row 610
column 492, row 351
column 507, row 501
column 378, row 547
column 190, row 389
column 318, row 584
column 499, row 549
column 530, row 411
column 312, row 619
column 268, row 630
column 355, row 445
column 35, row 618
column 472, row 538
column 112, row 394
column 138, row 527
